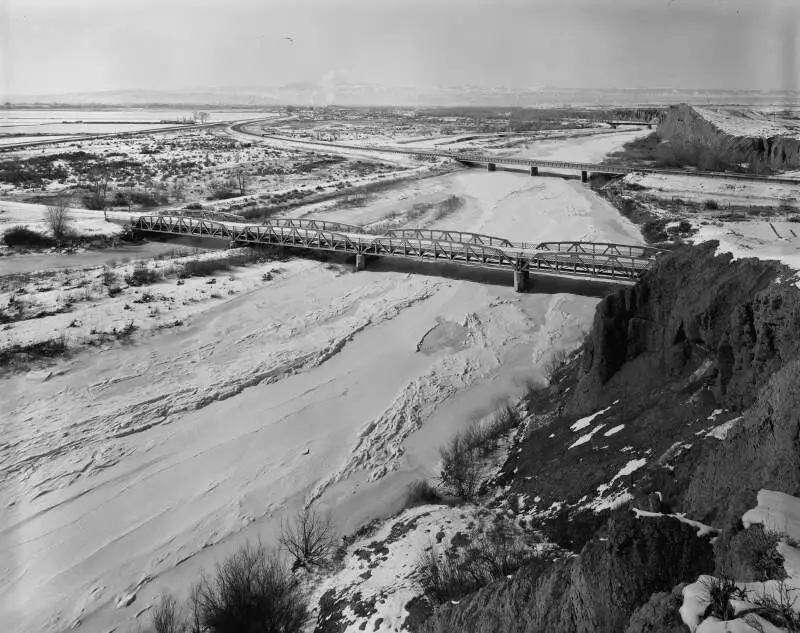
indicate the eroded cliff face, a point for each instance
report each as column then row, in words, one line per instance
column 763, row 451
column 592, row 593
column 695, row 312
column 698, row 334
column 682, row 122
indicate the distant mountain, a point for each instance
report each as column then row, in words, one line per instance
column 329, row 92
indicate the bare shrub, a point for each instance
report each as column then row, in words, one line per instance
column 554, row 364
column 441, row 578
column 167, row 617
column 461, row 467
column 501, row 550
column 250, row 591
column 492, row 554
column 23, row 236
column 420, row 493
column 205, row 267
column 720, row 592
column 57, row 219
column 780, row 610
column 142, row 275
column 761, row 547
column 309, row 538
column 504, row 420
column 109, row 277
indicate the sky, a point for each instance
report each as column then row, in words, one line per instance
column 67, row 46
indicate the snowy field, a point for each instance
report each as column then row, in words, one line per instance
column 721, row 190
column 756, row 238
column 742, row 122
column 83, row 222
column 127, row 468
column 769, row 237
column 55, row 121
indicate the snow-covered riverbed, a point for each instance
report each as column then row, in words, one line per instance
column 127, row 470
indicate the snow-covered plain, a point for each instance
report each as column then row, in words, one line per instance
column 723, row 191
column 778, row 240
column 127, row 470
column 82, row 222
column 749, row 123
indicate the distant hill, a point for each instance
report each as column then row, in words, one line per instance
column 329, row 93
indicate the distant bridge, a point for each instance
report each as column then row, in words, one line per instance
column 532, row 164
column 615, row 124
column 597, row 261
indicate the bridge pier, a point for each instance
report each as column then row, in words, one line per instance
column 361, row 261
column 521, row 278
column 584, row 176
column 491, row 167
column 534, row 170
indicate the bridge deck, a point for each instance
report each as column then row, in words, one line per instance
column 593, row 260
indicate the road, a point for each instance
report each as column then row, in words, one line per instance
column 237, row 129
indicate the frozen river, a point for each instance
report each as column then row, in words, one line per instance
column 126, row 471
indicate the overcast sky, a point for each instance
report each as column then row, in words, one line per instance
column 61, row 46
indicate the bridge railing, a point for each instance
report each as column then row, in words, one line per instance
column 310, row 223
column 450, row 236
column 599, row 248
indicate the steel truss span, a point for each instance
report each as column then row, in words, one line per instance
column 594, row 260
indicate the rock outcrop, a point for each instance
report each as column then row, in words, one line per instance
column 695, row 307
column 699, row 333
column 594, row 592
column 763, row 451
column 684, row 123
column 659, row 614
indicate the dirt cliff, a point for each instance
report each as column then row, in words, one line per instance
column 684, row 123
column 696, row 311
column 700, row 340
column 763, row 451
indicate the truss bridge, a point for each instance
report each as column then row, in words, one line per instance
column 620, row 263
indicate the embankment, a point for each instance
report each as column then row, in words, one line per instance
column 683, row 123
column 687, row 384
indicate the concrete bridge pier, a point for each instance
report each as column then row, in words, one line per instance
column 521, row 278
column 361, row 261
column 491, row 166
column 534, row 170
column 584, row 176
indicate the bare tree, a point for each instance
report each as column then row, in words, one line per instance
column 98, row 186
column 167, row 617
column 242, row 178
column 203, row 116
column 58, row 219
column 309, row 538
